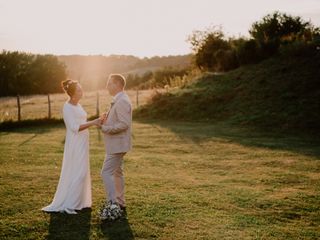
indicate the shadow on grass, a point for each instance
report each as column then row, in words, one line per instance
column 30, row 126
column 68, row 226
column 28, row 140
column 118, row 230
column 199, row 132
column 40, row 122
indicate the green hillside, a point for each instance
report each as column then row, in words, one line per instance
column 278, row 93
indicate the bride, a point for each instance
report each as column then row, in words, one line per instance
column 74, row 187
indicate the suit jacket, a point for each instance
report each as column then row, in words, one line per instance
column 117, row 127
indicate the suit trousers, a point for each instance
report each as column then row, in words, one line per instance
column 113, row 179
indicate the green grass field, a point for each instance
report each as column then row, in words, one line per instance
column 183, row 181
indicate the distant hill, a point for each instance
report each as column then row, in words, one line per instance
column 279, row 93
column 92, row 71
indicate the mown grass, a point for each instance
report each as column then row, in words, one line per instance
column 183, row 181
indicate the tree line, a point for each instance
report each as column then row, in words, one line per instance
column 25, row 73
column 273, row 34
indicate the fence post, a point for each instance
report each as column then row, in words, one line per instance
column 49, row 107
column 137, row 98
column 19, row 108
column 97, row 106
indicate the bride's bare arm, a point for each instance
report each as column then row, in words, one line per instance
column 89, row 124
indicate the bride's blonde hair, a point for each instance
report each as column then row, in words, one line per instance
column 69, row 86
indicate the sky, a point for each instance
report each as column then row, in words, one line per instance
column 142, row 28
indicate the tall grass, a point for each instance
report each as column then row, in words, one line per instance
column 36, row 106
column 281, row 93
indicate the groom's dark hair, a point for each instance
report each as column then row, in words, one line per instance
column 119, row 79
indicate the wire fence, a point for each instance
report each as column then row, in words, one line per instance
column 50, row 106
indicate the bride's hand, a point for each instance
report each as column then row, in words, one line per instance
column 102, row 118
column 97, row 122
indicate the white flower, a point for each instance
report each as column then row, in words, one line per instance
column 110, row 212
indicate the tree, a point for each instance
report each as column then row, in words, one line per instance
column 247, row 51
column 279, row 28
column 22, row 73
column 209, row 46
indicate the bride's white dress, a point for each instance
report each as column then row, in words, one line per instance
column 74, row 187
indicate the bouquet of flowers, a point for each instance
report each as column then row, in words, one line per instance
column 110, row 212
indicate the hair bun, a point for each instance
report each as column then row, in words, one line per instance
column 65, row 84
column 69, row 86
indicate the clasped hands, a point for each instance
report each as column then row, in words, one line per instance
column 101, row 120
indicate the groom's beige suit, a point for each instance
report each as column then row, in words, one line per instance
column 117, row 138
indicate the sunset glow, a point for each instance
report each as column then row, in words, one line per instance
column 131, row 27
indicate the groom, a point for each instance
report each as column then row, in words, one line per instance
column 117, row 137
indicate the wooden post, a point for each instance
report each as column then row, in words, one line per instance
column 49, row 107
column 97, row 107
column 19, row 108
column 137, row 99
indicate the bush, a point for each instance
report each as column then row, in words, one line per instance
column 278, row 28
column 248, row 52
column 156, row 79
column 209, row 46
column 214, row 52
column 226, row 60
column 298, row 49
